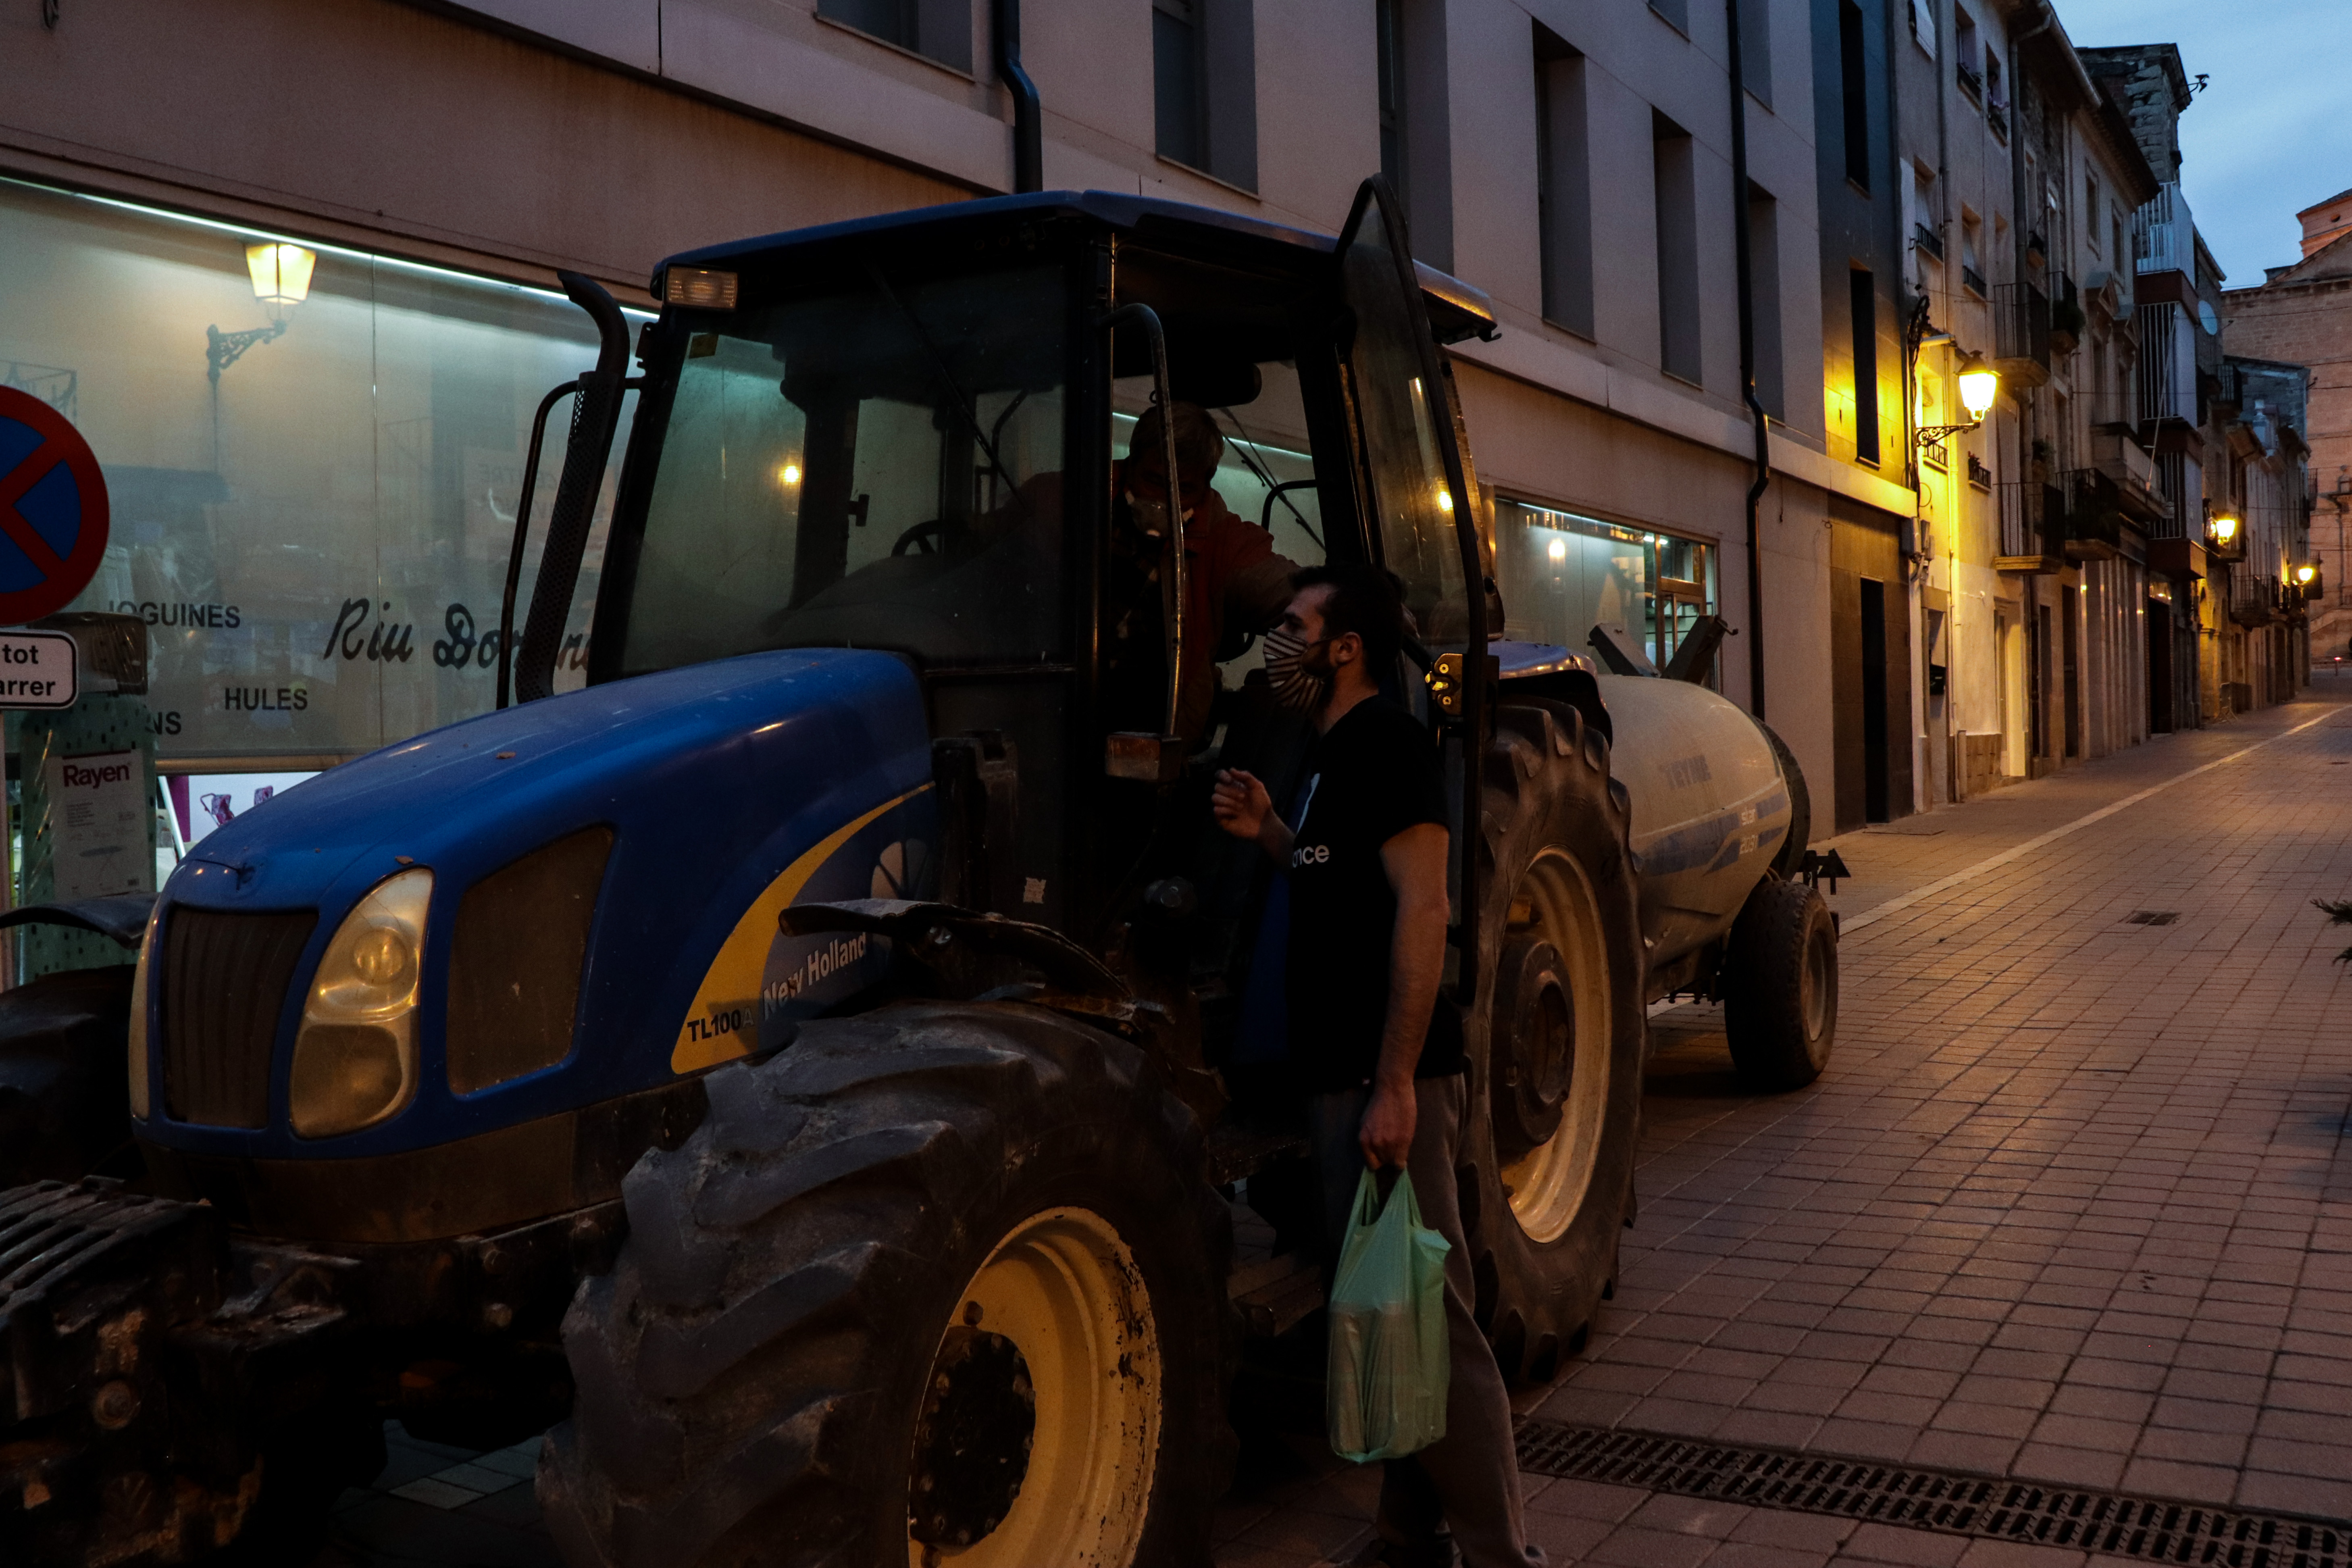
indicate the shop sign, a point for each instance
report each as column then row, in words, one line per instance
column 52, row 510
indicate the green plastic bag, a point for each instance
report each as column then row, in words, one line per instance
column 1386, row 1380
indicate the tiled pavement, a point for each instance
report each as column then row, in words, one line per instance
column 2074, row 1202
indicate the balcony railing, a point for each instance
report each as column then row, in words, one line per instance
column 2020, row 315
column 2164, row 235
column 2033, row 527
column 1971, row 79
column 2093, row 514
column 1924, row 237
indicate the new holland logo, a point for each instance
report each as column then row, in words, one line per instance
column 816, row 968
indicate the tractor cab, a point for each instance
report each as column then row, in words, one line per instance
column 918, row 434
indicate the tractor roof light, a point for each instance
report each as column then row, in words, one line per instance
column 699, row 289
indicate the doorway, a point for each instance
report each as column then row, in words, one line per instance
column 2159, row 668
column 2037, row 690
column 1874, row 701
column 2069, row 642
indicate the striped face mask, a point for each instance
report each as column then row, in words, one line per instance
column 1295, row 685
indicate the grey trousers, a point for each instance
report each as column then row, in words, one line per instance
column 1468, row 1479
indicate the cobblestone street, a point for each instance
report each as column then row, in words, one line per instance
column 2071, row 1204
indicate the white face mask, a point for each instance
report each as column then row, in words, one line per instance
column 1295, row 687
column 1151, row 516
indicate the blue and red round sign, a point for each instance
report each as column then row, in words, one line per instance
column 52, row 510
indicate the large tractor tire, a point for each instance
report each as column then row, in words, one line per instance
column 1779, row 986
column 1556, row 1035
column 939, row 1283
column 65, row 1110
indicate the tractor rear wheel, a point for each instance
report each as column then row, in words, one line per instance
column 1779, row 986
column 941, row 1282
column 1556, row 1035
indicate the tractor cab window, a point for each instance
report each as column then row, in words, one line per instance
column 853, row 469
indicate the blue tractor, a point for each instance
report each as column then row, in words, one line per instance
column 807, row 1068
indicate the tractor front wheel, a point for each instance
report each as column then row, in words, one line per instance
column 939, row 1283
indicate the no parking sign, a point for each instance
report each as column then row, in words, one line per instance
column 52, row 510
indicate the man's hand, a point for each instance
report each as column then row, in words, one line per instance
column 1386, row 1133
column 1243, row 808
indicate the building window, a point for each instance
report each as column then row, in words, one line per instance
column 1392, row 91
column 1863, row 289
column 1965, row 63
column 1764, row 290
column 2091, row 210
column 940, row 29
column 1562, row 573
column 1181, row 116
column 1971, row 246
column 1756, row 49
column 1853, row 78
column 1416, row 150
column 1563, row 183
column 1205, row 87
column 1676, row 178
column 1923, row 25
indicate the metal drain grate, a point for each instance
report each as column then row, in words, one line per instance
column 2151, row 917
column 2153, row 1530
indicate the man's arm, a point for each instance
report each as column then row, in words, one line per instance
column 1415, row 863
column 1243, row 808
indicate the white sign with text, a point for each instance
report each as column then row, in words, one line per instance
column 99, row 843
column 39, row 670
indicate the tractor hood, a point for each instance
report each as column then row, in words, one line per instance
column 712, row 782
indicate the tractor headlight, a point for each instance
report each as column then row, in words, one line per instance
column 355, row 1060
column 140, row 1094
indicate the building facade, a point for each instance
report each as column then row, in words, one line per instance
column 316, row 476
column 2302, row 313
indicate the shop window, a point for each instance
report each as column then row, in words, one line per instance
column 1562, row 573
column 317, row 540
column 940, row 29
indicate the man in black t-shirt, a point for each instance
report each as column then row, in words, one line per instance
column 1364, row 852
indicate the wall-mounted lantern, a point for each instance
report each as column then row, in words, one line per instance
column 1980, row 384
column 281, row 280
column 2224, row 528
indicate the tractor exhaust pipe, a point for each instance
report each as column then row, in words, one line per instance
column 595, row 417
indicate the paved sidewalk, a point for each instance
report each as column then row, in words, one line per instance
column 2074, row 1202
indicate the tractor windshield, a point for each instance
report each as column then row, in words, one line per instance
column 872, row 468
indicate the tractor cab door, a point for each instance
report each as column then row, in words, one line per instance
column 1414, row 487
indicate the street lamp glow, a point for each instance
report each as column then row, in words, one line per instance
column 280, row 274
column 2225, row 527
column 1558, row 550
column 2305, row 573
column 1978, row 384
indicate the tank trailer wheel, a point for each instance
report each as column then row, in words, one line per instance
column 941, row 1283
column 1780, row 986
column 1556, row 1037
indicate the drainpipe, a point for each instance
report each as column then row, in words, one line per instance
column 1028, row 116
column 1744, row 267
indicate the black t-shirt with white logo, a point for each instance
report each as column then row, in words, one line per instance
column 1372, row 776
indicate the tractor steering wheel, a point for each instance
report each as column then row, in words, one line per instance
column 923, row 539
